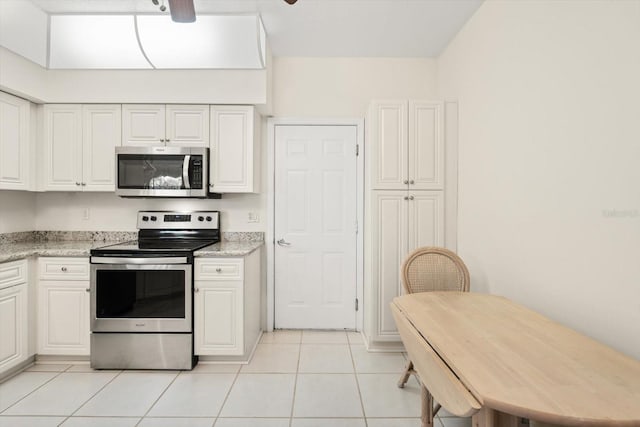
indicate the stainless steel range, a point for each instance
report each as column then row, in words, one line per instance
column 142, row 292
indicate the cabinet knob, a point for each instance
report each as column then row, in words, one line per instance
column 84, row 184
column 161, row 140
column 406, row 181
column 406, row 198
column 412, row 182
column 196, row 290
column 64, row 269
column 167, row 140
column 411, row 197
column 218, row 270
column 87, row 290
column 78, row 184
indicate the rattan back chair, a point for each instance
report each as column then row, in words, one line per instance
column 429, row 269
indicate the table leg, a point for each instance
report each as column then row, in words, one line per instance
column 488, row 417
column 427, row 407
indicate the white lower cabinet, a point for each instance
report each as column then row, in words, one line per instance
column 227, row 305
column 13, row 314
column 401, row 221
column 63, row 306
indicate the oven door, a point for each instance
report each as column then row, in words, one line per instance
column 141, row 294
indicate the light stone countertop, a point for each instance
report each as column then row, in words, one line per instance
column 229, row 249
column 63, row 248
column 81, row 248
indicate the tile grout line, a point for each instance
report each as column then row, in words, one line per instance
column 91, row 397
column 159, row 397
column 32, row 391
column 295, row 382
column 226, row 397
column 355, row 373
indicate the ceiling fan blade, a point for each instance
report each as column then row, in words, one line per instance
column 182, row 11
column 291, row 1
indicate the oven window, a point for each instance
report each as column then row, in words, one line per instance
column 140, row 294
column 137, row 171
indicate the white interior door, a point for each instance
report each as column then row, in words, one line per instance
column 315, row 227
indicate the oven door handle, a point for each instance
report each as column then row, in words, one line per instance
column 138, row 261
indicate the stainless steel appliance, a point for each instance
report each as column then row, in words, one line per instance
column 142, row 292
column 162, row 172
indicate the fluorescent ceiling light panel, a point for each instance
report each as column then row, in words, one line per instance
column 94, row 42
column 213, row 41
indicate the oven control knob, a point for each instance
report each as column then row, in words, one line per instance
column 145, row 218
column 153, row 218
column 200, row 218
column 209, row 218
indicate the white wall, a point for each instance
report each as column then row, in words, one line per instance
column 549, row 189
column 25, row 78
column 343, row 87
column 65, row 211
column 17, row 211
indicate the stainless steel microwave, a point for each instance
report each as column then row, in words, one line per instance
column 162, row 172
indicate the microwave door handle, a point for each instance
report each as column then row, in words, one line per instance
column 185, row 171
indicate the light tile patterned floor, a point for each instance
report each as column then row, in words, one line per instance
column 296, row 379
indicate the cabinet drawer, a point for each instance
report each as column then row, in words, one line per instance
column 63, row 268
column 219, row 269
column 13, row 273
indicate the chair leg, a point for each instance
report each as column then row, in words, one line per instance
column 426, row 416
column 408, row 370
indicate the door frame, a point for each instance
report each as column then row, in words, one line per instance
column 272, row 123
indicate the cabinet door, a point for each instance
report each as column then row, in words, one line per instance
column 426, row 146
column 426, row 219
column 232, row 149
column 143, row 125
column 187, row 125
column 13, row 326
column 388, row 140
column 218, row 318
column 63, row 324
column 63, row 147
column 14, row 142
column 102, row 132
column 388, row 250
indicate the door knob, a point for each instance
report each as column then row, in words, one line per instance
column 282, row 242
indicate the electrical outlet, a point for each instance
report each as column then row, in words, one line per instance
column 253, row 217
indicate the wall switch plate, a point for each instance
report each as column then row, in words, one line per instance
column 86, row 214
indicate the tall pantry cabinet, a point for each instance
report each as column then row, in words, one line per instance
column 405, row 200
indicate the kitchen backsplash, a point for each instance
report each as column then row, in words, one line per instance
column 107, row 236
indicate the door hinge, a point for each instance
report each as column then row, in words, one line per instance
column 357, row 150
column 356, row 304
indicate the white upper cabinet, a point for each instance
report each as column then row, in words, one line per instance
column 234, row 154
column 79, row 146
column 14, row 142
column 407, row 145
column 63, row 147
column 101, row 134
column 426, row 145
column 187, row 125
column 171, row 125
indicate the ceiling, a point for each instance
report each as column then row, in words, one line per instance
column 324, row 28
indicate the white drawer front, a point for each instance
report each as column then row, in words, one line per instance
column 219, row 269
column 13, row 273
column 64, row 268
